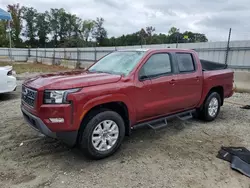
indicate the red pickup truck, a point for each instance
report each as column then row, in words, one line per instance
column 94, row 109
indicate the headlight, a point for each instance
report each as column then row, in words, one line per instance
column 57, row 96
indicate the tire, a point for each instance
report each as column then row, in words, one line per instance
column 97, row 123
column 211, row 107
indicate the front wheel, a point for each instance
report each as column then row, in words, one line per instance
column 102, row 135
column 211, row 107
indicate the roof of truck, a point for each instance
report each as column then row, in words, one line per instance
column 155, row 49
column 134, row 49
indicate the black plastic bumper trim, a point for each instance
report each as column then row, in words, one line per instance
column 36, row 123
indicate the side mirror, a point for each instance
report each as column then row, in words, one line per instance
column 142, row 77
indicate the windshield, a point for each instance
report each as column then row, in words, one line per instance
column 118, row 62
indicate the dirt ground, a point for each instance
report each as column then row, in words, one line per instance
column 182, row 155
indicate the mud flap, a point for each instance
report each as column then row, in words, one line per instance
column 240, row 166
column 69, row 138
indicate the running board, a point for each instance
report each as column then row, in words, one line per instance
column 160, row 123
column 186, row 117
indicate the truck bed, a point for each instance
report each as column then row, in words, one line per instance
column 217, row 77
column 210, row 65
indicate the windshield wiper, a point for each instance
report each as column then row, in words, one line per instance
column 107, row 72
column 93, row 71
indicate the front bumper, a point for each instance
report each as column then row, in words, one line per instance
column 36, row 123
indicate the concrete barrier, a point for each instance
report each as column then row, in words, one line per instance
column 31, row 60
column 5, row 59
column 68, row 64
column 242, row 81
column 65, row 63
column 85, row 65
column 46, row 61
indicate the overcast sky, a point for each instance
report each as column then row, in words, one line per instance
column 212, row 17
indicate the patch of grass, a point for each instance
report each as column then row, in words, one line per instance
column 34, row 67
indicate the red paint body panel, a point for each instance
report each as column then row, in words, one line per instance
column 223, row 78
column 67, row 80
column 145, row 100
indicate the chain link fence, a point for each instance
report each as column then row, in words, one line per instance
column 236, row 53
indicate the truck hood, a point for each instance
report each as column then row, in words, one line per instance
column 68, row 80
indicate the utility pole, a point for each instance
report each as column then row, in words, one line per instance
column 10, row 45
column 228, row 45
column 177, row 37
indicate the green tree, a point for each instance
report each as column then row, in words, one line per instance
column 173, row 30
column 99, row 32
column 76, row 27
column 194, row 37
column 87, row 29
column 73, row 26
column 66, row 27
column 30, row 17
column 174, row 35
column 161, row 39
column 63, row 24
column 70, row 30
column 77, row 33
column 67, row 30
column 150, row 31
column 143, row 35
column 54, row 25
column 16, row 24
column 43, row 28
column 4, row 42
column 199, row 37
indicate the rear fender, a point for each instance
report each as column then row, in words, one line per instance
column 205, row 94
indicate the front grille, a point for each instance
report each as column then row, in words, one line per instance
column 29, row 96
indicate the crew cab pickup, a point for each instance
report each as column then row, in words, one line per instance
column 95, row 108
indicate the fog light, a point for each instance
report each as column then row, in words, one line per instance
column 56, row 120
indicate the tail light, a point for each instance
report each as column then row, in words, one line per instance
column 9, row 73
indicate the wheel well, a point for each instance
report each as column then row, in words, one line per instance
column 118, row 107
column 220, row 91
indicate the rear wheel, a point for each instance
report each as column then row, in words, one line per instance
column 211, row 107
column 102, row 135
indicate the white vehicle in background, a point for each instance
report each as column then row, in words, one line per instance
column 7, row 79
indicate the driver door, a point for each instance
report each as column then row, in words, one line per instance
column 155, row 91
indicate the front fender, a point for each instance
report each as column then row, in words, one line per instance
column 107, row 99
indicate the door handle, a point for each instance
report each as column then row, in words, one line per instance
column 197, row 78
column 172, row 82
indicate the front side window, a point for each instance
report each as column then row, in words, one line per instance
column 120, row 62
column 157, row 65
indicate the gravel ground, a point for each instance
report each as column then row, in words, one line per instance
column 182, row 155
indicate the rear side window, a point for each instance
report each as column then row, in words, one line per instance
column 157, row 65
column 185, row 62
